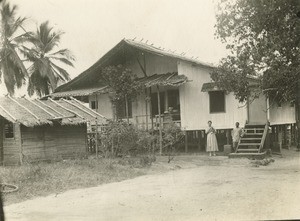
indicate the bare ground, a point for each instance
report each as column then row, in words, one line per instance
column 197, row 188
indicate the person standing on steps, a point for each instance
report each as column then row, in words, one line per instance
column 236, row 134
column 212, row 144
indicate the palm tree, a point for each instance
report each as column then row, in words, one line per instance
column 11, row 66
column 44, row 72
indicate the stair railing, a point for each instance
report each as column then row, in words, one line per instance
column 264, row 137
column 243, row 128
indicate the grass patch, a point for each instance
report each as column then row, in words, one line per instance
column 43, row 179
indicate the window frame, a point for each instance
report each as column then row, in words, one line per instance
column 130, row 111
column 13, row 131
column 96, row 105
column 209, row 97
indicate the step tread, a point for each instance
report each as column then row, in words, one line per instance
column 253, row 134
column 247, row 150
column 250, row 138
column 249, row 144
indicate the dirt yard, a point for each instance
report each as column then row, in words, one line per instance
column 195, row 188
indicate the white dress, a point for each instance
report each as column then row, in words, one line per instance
column 212, row 144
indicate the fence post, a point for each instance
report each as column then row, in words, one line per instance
column 96, row 139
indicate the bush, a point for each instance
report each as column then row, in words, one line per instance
column 119, row 138
column 122, row 138
column 172, row 137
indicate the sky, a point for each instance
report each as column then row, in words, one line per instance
column 93, row 27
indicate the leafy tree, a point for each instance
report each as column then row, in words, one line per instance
column 123, row 83
column 11, row 66
column 45, row 72
column 263, row 37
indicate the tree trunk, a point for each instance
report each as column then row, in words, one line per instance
column 126, row 107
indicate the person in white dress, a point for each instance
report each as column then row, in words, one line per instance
column 212, row 144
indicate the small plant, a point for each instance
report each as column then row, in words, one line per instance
column 120, row 138
column 172, row 136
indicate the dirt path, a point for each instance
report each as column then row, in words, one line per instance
column 212, row 191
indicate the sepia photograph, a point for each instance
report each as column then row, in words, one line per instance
column 149, row 110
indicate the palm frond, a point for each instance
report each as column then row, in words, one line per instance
column 63, row 60
column 30, row 54
column 64, row 75
column 65, row 53
column 16, row 60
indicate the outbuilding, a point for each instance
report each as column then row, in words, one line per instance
column 43, row 130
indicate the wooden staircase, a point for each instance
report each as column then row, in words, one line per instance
column 252, row 143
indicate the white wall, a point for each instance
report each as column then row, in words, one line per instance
column 104, row 105
column 155, row 64
column 195, row 104
column 282, row 115
column 257, row 112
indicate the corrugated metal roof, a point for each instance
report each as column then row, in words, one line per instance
column 210, row 86
column 160, row 51
column 81, row 92
column 169, row 79
column 44, row 112
column 118, row 49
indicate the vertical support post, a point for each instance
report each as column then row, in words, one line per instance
column 20, row 141
column 96, row 98
column 297, row 112
column 186, row 141
column 150, row 108
column 146, row 94
column 96, row 139
column 160, row 122
column 227, row 136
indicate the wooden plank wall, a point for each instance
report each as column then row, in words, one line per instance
column 51, row 143
column 11, row 148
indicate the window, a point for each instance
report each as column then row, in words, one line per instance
column 173, row 99
column 217, row 101
column 94, row 105
column 154, row 103
column 121, row 109
column 8, row 130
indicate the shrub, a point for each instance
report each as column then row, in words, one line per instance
column 119, row 138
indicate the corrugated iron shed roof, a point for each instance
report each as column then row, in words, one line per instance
column 81, row 92
column 36, row 112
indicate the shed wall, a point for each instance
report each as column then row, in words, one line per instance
column 45, row 143
column 12, row 148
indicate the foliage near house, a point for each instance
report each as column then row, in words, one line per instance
column 263, row 38
column 12, row 68
column 122, row 139
column 44, row 57
column 123, row 83
column 31, row 57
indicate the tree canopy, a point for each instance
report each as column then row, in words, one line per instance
column 44, row 56
column 11, row 66
column 263, row 37
column 32, row 57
